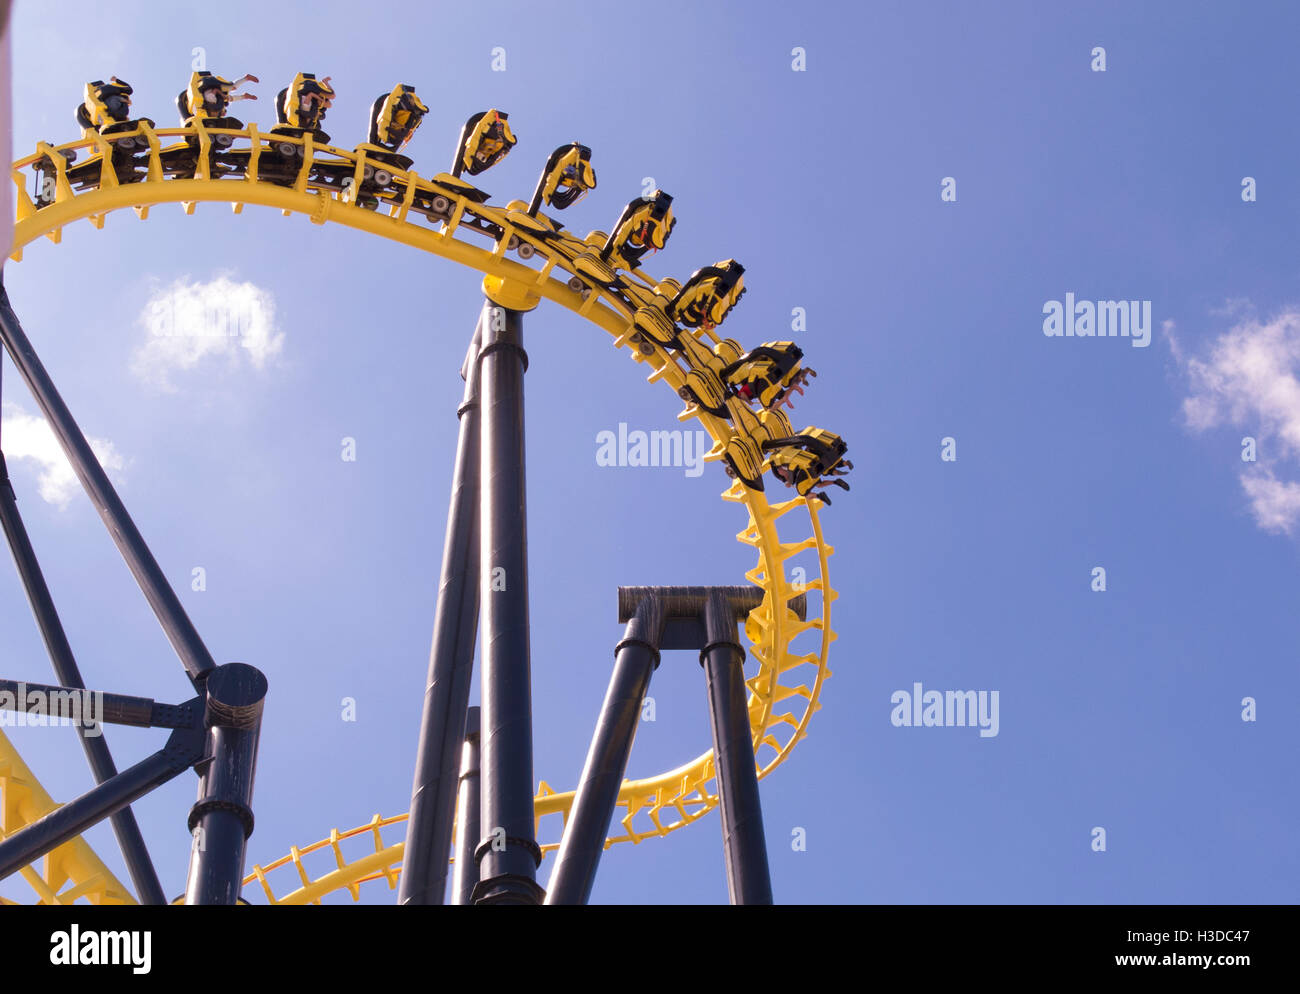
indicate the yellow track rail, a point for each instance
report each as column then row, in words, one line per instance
column 22, row 801
column 785, row 692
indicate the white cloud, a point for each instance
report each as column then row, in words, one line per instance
column 189, row 323
column 1249, row 381
column 29, row 437
column 1276, row 505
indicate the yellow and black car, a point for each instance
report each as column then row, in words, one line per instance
column 809, row 461
column 769, row 374
column 566, row 178
column 205, row 101
column 485, row 140
column 644, row 226
column 395, row 116
column 709, row 294
column 300, row 107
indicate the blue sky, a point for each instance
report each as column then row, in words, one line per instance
column 1119, row 709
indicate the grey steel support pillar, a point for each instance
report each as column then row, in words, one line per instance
column 222, row 819
column 508, row 854
column 129, row 840
column 636, row 658
column 748, row 878
column 166, row 606
column 467, row 806
column 451, row 666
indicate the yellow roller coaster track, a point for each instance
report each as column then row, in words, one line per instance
column 436, row 216
column 22, row 801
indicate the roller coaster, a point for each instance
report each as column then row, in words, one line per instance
column 739, row 396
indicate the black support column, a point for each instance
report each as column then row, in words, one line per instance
column 222, row 819
column 451, row 664
column 705, row 619
column 468, row 802
column 723, row 658
column 508, row 854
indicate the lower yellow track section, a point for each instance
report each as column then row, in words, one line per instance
column 791, row 552
column 72, row 871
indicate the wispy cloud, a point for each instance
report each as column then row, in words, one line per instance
column 1249, row 380
column 218, row 322
column 27, row 437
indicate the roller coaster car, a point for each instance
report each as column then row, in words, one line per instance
column 485, row 140
column 809, row 461
column 395, row 116
column 744, row 452
column 651, row 315
column 536, row 224
column 705, row 386
column 376, row 180
column 594, row 268
column 709, row 295
column 768, row 374
column 203, row 104
column 705, row 390
column 644, row 226
column 300, row 107
column 106, row 109
column 205, row 101
column 566, row 178
column 656, row 326
column 459, row 187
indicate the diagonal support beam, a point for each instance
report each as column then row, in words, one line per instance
column 148, row 574
column 635, row 659
column 100, row 759
column 451, row 667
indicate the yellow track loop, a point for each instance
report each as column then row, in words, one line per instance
column 22, row 801
column 784, row 693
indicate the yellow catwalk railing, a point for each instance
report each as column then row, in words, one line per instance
column 443, row 217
